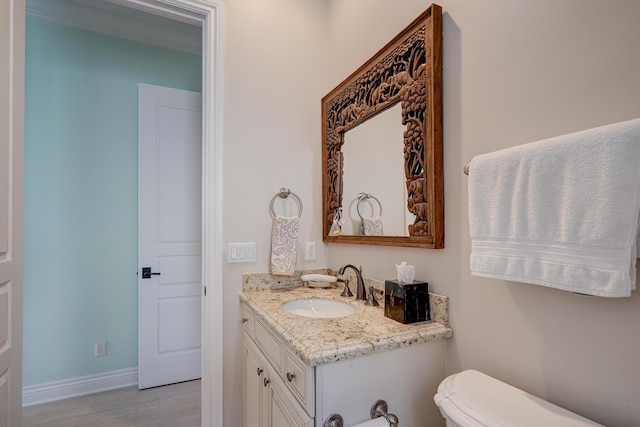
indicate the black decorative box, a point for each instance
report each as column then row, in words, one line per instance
column 406, row 302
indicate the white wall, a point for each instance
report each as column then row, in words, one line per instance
column 274, row 77
column 516, row 72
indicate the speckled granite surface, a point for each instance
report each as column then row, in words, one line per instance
column 321, row 341
column 258, row 281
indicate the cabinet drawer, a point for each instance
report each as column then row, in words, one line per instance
column 298, row 377
column 269, row 343
column 247, row 320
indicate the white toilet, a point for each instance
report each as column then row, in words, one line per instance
column 473, row 399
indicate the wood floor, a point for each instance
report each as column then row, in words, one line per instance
column 176, row 405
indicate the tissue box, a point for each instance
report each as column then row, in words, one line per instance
column 406, row 302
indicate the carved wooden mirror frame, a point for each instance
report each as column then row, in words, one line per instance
column 407, row 70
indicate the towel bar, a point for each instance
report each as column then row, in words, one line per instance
column 283, row 193
column 378, row 409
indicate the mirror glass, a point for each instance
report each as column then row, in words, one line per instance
column 376, row 169
column 382, row 168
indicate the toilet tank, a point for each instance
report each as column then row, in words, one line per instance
column 472, row 399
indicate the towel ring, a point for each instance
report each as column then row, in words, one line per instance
column 283, row 193
column 364, row 197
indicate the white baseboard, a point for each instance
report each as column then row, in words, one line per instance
column 58, row 390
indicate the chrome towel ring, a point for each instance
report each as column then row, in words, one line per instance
column 362, row 197
column 283, row 193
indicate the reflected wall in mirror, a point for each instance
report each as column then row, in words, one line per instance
column 378, row 170
column 382, row 144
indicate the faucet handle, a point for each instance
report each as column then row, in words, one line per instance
column 371, row 300
column 346, row 292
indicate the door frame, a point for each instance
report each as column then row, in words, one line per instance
column 12, row 79
column 208, row 14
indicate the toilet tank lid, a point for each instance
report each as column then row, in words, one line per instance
column 471, row 399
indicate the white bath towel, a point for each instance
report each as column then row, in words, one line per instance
column 561, row 212
column 284, row 240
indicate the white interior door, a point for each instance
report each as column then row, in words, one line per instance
column 169, row 235
column 11, row 196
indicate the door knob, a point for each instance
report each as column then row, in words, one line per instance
column 146, row 273
column 266, row 381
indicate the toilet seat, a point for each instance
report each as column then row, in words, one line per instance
column 473, row 399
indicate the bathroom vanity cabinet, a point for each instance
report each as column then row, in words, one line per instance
column 266, row 401
column 276, row 390
column 281, row 389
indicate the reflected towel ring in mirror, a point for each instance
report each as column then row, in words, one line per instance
column 363, row 197
column 283, row 193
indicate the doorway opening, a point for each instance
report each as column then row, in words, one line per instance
column 207, row 15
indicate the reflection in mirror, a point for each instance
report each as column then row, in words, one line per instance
column 373, row 154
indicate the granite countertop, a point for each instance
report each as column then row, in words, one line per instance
column 320, row 341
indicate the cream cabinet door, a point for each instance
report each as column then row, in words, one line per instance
column 253, row 375
column 266, row 402
column 281, row 411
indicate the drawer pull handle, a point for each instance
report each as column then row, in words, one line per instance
column 245, row 320
column 260, row 371
column 290, row 376
column 266, row 381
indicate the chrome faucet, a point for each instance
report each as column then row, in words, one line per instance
column 361, row 293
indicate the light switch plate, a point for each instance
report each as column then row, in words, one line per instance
column 241, row 252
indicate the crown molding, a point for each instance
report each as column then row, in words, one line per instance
column 106, row 18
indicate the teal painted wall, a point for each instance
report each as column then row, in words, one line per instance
column 80, row 256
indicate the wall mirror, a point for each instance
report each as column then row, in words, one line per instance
column 382, row 166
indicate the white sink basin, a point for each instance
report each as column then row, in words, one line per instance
column 319, row 308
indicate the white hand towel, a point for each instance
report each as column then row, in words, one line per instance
column 561, row 212
column 284, row 240
column 372, row 226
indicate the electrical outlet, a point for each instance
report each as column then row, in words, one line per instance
column 310, row 254
column 101, row 348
